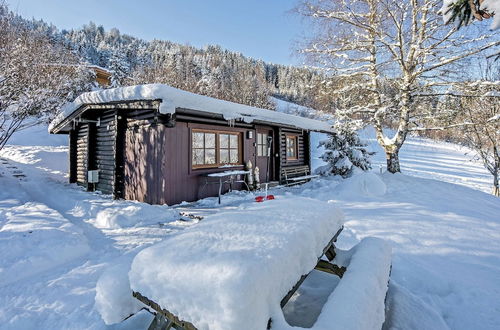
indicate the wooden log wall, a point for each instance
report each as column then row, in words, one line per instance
column 81, row 154
column 119, row 147
column 302, row 142
column 98, row 142
column 104, row 155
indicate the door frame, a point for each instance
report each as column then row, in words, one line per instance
column 268, row 130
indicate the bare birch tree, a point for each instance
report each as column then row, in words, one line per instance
column 479, row 104
column 404, row 42
column 36, row 76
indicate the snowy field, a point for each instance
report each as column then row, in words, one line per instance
column 61, row 246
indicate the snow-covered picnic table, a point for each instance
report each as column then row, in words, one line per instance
column 232, row 270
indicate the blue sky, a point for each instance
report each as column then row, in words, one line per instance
column 262, row 29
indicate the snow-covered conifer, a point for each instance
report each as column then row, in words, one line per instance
column 119, row 67
column 345, row 150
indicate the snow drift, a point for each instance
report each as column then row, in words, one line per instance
column 366, row 184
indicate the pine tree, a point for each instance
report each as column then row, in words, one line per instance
column 345, row 151
column 119, row 67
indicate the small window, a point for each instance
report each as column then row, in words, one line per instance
column 212, row 149
column 203, row 148
column 291, row 147
column 229, row 148
column 262, row 149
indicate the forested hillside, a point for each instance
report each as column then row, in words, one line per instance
column 211, row 71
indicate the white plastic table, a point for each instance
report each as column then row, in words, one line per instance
column 228, row 174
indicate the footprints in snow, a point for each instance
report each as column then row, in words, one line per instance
column 14, row 171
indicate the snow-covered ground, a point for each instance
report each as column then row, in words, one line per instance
column 58, row 242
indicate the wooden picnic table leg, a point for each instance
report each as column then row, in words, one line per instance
column 160, row 323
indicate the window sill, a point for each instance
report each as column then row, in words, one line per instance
column 223, row 167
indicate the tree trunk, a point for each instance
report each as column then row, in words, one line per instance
column 393, row 162
column 496, row 188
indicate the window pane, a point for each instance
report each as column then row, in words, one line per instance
column 209, row 140
column 209, row 156
column 259, row 138
column 259, row 150
column 291, row 147
column 224, row 141
column 224, row 156
column 234, row 140
column 234, row 156
column 198, row 156
column 198, row 140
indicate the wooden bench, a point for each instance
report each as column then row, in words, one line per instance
column 296, row 175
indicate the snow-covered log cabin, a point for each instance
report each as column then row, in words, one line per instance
column 157, row 144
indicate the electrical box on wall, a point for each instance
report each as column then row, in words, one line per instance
column 93, row 176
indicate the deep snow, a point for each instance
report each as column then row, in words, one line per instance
column 443, row 226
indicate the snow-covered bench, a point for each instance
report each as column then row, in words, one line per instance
column 236, row 270
column 296, row 175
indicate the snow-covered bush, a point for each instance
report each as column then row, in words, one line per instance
column 345, row 151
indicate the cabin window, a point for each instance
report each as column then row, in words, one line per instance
column 203, row 148
column 229, row 145
column 262, row 150
column 291, row 147
column 215, row 148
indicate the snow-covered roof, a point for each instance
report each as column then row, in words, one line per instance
column 172, row 99
column 232, row 270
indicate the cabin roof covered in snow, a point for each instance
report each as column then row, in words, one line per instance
column 173, row 99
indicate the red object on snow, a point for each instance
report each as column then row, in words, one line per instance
column 259, row 199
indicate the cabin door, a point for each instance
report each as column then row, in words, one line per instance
column 264, row 152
